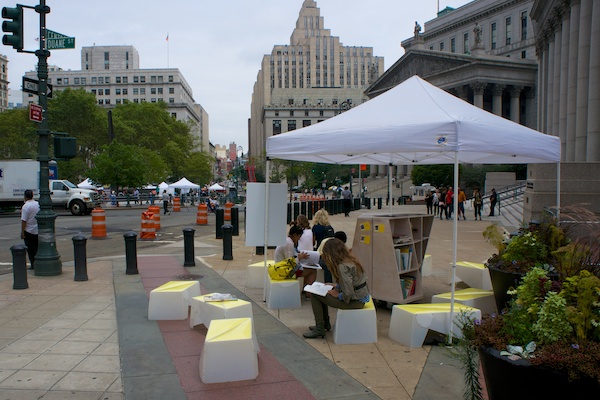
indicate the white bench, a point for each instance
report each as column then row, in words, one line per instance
column 410, row 322
column 427, row 268
column 228, row 354
column 171, row 301
column 255, row 274
column 475, row 275
column 283, row 294
column 355, row 326
column 472, row 297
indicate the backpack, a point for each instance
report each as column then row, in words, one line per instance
column 285, row 269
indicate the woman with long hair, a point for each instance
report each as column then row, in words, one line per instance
column 350, row 291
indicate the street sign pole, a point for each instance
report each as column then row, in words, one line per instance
column 47, row 259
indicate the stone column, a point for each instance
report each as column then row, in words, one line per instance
column 564, row 80
column 497, row 99
column 463, row 93
column 556, row 78
column 478, row 88
column 541, row 52
column 550, row 83
column 572, row 82
column 530, row 108
column 515, row 103
column 583, row 64
column 593, row 128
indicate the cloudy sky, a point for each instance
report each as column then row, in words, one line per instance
column 217, row 45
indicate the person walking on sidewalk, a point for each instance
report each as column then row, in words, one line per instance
column 347, row 201
column 166, row 199
column 29, row 226
column 350, row 292
column 493, row 201
column 477, row 203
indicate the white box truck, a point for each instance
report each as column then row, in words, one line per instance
column 16, row 176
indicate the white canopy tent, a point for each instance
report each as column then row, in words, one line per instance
column 183, row 183
column 418, row 123
column 216, row 188
column 87, row 184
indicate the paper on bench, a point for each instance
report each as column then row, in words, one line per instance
column 318, row 288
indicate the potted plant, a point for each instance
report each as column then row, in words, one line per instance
column 546, row 343
column 533, row 246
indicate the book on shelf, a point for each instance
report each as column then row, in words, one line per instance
column 318, row 288
column 408, row 285
column 403, row 258
column 400, row 239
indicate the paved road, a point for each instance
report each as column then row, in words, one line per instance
column 118, row 222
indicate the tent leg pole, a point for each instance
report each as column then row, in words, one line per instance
column 558, row 191
column 266, row 241
column 454, row 247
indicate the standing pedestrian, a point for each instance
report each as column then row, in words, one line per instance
column 429, row 202
column 477, row 203
column 166, row 199
column 462, row 197
column 347, row 201
column 29, row 226
column 493, row 201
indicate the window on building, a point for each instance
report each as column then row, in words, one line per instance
column 291, row 102
column 106, row 92
column 136, row 100
column 125, row 79
column 153, row 79
column 100, row 92
column 453, row 45
column 441, row 46
column 100, row 80
column 107, row 79
column 124, row 90
column 107, row 101
column 83, row 81
column 171, row 100
column 320, row 102
column 136, row 79
column 291, row 113
column 143, row 91
column 136, row 91
column 160, row 90
column 160, row 79
column 94, row 80
column 321, row 114
column 508, row 30
column 291, row 125
column 94, row 91
column 493, row 36
column 170, row 78
column 524, row 54
column 117, row 91
column 466, row 43
column 171, row 90
column 100, row 101
column 276, row 126
column 76, row 81
column 153, row 100
column 118, row 101
column 174, row 115
column 306, row 113
column 117, row 79
column 524, row 26
column 152, row 90
column 305, row 101
column 142, row 79
column 305, row 122
column 59, row 81
column 106, row 60
column 334, row 102
column 431, row 47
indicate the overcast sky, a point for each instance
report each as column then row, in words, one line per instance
column 217, row 45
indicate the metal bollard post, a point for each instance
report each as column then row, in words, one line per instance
column 260, row 250
column 220, row 222
column 227, row 246
column 79, row 250
column 19, row 253
column 188, row 247
column 235, row 221
column 131, row 253
column 379, row 203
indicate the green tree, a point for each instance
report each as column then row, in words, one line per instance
column 198, row 168
column 119, row 165
column 18, row 137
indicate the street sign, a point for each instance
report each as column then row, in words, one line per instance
column 32, row 85
column 35, row 112
column 58, row 41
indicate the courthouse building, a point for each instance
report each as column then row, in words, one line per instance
column 312, row 78
column 532, row 61
column 113, row 75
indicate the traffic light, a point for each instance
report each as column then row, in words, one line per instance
column 13, row 27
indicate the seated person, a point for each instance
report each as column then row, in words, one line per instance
column 350, row 292
column 290, row 249
column 326, row 273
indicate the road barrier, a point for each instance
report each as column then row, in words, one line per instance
column 228, row 206
column 202, row 216
column 98, row 223
column 176, row 204
column 148, row 230
column 156, row 211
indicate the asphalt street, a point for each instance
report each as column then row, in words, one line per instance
column 118, row 222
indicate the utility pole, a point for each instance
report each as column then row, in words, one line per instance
column 47, row 260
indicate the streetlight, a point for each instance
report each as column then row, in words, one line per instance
column 239, row 166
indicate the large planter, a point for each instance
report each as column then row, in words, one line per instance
column 516, row 380
column 502, row 281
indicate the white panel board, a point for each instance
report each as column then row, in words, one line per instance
column 255, row 214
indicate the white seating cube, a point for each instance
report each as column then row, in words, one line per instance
column 427, row 268
column 410, row 322
column 171, row 301
column 476, row 275
column 283, row 294
column 255, row 274
column 472, row 297
column 228, row 354
column 355, row 326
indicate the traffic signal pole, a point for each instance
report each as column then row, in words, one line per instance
column 47, row 260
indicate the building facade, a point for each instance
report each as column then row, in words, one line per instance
column 312, row 78
column 3, row 82
column 113, row 75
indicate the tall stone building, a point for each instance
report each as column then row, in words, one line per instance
column 536, row 62
column 3, row 82
column 114, row 76
column 309, row 80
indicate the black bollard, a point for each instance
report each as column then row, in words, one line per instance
column 19, row 253
column 220, row 222
column 379, row 203
column 79, row 242
column 131, row 253
column 289, row 212
column 227, row 246
column 260, row 250
column 235, row 220
column 188, row 247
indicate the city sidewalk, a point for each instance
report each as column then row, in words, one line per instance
column 62, row 339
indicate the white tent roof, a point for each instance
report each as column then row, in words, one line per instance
column 183, row 183
column 86, row 184
column 416, row 123
column 163, row 185
column 216, row 187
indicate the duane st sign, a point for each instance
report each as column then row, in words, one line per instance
column 57, row 41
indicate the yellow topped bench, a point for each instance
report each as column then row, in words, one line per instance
column 255, row 274
column 171, row 301
column 472, row 297
column 355, row 326
column 476, row 275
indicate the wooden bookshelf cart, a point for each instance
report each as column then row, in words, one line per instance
column 391, row 248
